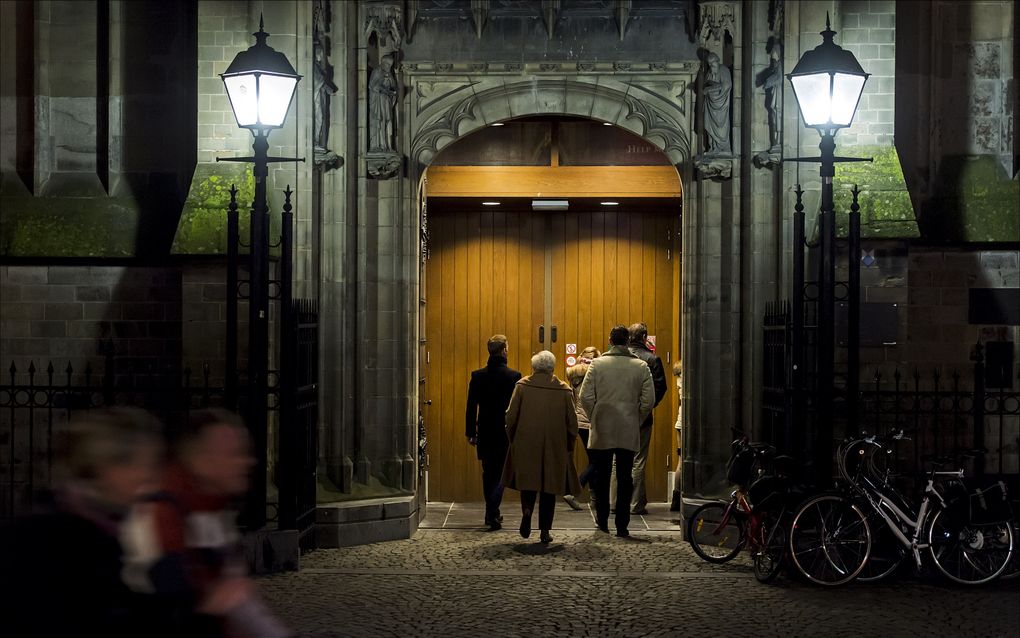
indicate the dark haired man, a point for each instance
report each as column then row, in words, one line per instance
column 617, row 394
column 488, row 397
column 639, row 348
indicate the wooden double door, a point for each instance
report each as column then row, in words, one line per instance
column 546, row 281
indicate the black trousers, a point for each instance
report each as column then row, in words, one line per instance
column 492, row 481
column 603, row 462
column 546, row 507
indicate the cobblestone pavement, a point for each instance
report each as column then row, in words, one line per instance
column 470, row 583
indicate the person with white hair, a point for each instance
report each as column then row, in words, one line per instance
column 541, row 424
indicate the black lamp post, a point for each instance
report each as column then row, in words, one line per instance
column 827, row 82
column 260, row 84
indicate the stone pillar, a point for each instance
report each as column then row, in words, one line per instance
column 713, row 271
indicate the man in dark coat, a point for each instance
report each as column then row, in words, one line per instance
column 639, row 348
column 488, row 397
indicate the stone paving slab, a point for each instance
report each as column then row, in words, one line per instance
column 472, row 516
column 453, row 583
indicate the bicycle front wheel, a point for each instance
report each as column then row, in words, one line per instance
column 830, row 540
column 969, row 553
column 887, row 553
column 715, row 534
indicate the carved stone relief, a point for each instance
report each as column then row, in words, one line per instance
column 385, row 22
column 715, row 90
column 323, row 87
column 770, row 80
column 653, row 108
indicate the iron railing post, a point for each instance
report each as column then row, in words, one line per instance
column 853, row 373
column 978, row 407
column 230, row 365
column 795, row 434
column 290, row 463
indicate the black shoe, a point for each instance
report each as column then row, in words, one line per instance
column 494, row 525
column 545, row 537
column 604, row 528
column 639, row 511
column 622, row 533
column 526, row 524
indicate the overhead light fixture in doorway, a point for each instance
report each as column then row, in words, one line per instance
column 490, row 203
column 549, row 204
column 607, row 124
column 496, row 124
column 610, row 203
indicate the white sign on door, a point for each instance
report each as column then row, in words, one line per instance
column 571, row 349
column 571, row 361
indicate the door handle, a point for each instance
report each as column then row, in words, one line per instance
column 541, row 334
column 554, row 334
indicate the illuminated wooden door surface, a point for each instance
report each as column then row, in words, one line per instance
column 506, row 272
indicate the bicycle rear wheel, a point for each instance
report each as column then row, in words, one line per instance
column 715, row 535
column 969, row 553
column 1013, row 569
column 768, row 560
column 830, row 540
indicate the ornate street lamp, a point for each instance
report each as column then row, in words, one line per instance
column 260, row 84
column 828, row 82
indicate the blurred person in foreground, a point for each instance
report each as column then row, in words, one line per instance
column 184, row 547
column 61, row 568
column 541, row 424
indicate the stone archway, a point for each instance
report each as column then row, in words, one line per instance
column 653, row 107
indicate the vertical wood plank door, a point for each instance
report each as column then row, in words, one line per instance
column 488, row 273
column 485, row 276
column 617, row 267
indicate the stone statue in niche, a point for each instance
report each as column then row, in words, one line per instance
column 383, row 162
column 323, row 88
column 382, row 97
column 771, row 80
column 716, row 97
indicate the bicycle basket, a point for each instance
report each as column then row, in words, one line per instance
column 740, row 468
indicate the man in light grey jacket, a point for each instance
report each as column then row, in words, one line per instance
column 617, row 394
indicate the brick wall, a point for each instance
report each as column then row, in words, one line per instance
column 868, row 29
column 65, row 314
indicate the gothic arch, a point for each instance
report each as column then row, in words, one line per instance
column 445, row 109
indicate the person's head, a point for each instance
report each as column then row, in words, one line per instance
column 544, row 361
column 678, row 369
column 713, row 61
column 116, row 452
column 638, row 333
column 590, row 353
column 387, row 62
column 497, row 346
column 619, row 336
column 214, row 448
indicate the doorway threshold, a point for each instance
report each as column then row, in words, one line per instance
column 470, row 516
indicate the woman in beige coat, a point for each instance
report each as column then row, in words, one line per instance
column 541, row 424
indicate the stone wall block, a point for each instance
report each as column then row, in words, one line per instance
column 63, row 311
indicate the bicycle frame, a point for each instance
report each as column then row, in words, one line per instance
column 879, row 502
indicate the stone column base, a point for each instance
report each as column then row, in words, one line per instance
column 369, row 521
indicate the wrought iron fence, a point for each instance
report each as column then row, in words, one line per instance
column 35, row 404
column 947, row 415
column 944, row 414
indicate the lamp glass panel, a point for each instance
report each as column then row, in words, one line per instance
column 846, row 92
column 813, row 97
column 243, row 94
column 274, row 98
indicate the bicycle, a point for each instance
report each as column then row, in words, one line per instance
column 718, row 532
column 962, row 547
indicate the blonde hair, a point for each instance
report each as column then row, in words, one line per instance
column 575, row 373
column 678, row 369
column 496, row 344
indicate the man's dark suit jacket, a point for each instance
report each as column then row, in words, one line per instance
column 488, row 397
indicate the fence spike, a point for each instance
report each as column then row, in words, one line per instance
column 49, row 372
column 31, row 368
column 13, row 369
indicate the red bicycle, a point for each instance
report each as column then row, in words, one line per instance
column 718, row 531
